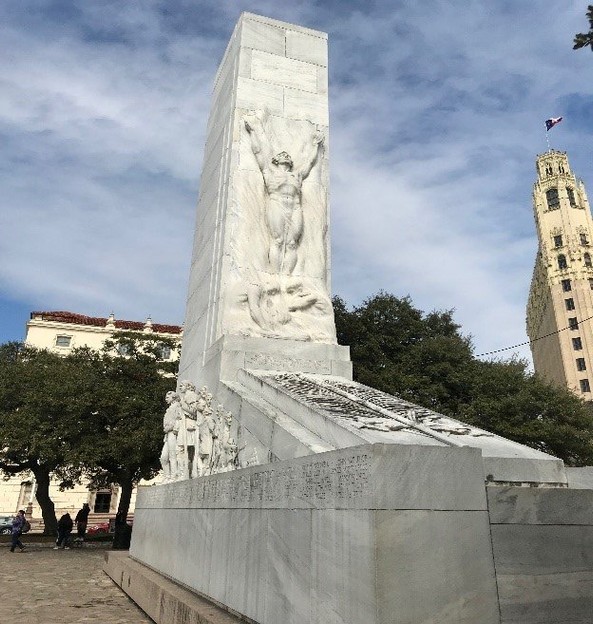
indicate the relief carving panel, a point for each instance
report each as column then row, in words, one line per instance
column 278, row 232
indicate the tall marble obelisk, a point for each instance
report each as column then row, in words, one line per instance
column 259, row 292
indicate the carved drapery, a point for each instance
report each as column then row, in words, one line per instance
column 198, row 440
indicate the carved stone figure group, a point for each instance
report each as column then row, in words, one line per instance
column 197, row 440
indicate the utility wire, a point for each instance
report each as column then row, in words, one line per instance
column 523, row 344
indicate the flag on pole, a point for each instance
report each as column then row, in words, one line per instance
column 550, row 123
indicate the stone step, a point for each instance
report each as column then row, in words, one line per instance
column 335, row 434
column 282, row 435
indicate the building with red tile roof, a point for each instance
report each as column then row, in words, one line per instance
column 60, row 330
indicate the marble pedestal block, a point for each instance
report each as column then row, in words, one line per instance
column 371, row 534
column 231, row 354
column 543, row 551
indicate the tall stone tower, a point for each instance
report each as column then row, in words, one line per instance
column 259, row 287
column 560, row 305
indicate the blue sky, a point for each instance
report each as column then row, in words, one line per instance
column 437, row 112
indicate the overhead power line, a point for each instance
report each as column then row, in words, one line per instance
column 523, row 344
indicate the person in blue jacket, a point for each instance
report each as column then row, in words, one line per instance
column 17, row 530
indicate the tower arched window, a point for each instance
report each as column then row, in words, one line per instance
column 562, row 264
column 587, row 259
column 552, row 199
column 571, row 199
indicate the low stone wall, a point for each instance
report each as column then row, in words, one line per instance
column 162, row 600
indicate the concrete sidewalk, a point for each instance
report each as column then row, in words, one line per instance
column 46, row 586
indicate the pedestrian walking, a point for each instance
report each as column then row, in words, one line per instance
column 81, row 519
column 18, row 524
column 65, row 526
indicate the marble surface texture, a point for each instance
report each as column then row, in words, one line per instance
column 542, row 541
column 260, row 267
column 340, row 537
column 342, row 413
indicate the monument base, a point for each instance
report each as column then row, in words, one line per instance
column 284, row 414
column 374, row 534
column 160, row 598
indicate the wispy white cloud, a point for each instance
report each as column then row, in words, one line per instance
column 437, row 114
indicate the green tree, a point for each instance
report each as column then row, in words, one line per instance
column 509, row 400
column 398, row 349
column 121, row 444
column 425, row 359
column 93, row 414
column 43, row 401
column 582, row 40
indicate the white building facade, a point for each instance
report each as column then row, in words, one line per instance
column 60, row 332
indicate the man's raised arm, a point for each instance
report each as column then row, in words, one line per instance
column 312, row 153
column 257, row 136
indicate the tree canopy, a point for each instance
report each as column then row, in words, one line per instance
column 92, row 414
column 582, row 40
column 122, row 442
column 425, row 359
column 42, row 406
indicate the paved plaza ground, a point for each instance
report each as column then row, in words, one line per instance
column 46, row 586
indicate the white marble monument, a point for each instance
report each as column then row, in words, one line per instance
column 259, row 291
column 306, row 497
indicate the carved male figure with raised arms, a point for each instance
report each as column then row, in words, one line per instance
column 283, row 184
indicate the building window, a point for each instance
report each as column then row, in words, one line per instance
column 102, row 502
column 561, row 168
column 569, row 303
column 584, row 239
column 573, row 322
column 577, row 345
column 552, row 199
column 566, row 287
column 123, row 350
column 63, row 341
column 587, row 259
column 585, row 387
column 165, row 351
column 25, row 494
column 562, row 264
column 591, row 283
column 581, row 366
column 558, row 240
column 571, row 199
